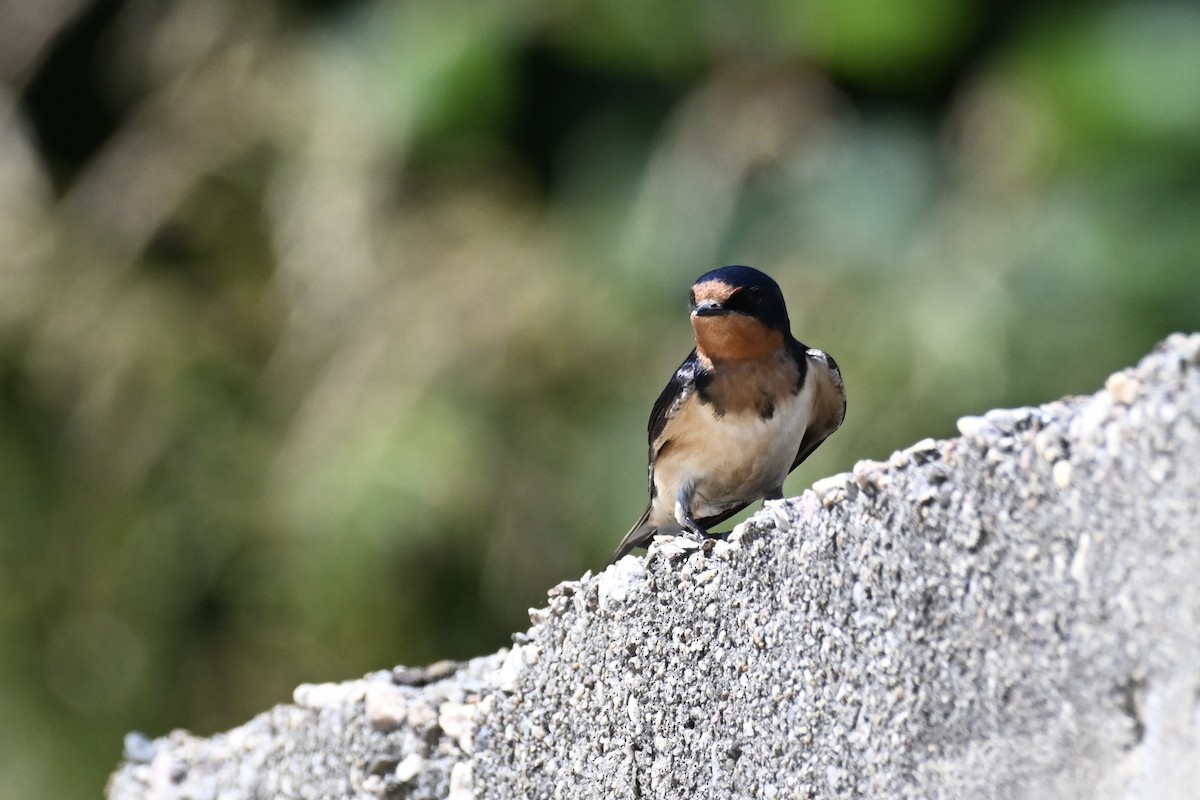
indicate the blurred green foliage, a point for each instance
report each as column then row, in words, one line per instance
column 328, row 331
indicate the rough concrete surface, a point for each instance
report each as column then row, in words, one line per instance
column 1014, row 613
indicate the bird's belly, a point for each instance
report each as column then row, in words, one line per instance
column 732, row 459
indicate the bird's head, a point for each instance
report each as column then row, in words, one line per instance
column 738, row 314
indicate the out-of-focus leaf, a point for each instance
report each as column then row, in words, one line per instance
column 876, row 42
column 1124, row 79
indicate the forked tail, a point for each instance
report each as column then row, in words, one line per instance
column 641, row 533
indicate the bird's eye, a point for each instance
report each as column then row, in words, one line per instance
column 746, row 299
column 692, row 297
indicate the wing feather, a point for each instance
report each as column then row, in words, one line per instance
column 678, row 390
column 829, row 402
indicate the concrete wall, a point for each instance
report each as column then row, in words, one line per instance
column 1012, row 613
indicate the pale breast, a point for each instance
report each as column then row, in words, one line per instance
column 732, row 457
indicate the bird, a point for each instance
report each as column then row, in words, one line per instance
column 745, row 408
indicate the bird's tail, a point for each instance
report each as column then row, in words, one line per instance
column 641, row 533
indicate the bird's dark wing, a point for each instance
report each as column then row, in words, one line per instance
column 681, row 386
column 829, row 401
column 678, row 390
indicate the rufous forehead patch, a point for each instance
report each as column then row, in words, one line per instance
column 716, row 291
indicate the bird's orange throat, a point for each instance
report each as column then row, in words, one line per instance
column 733, row 338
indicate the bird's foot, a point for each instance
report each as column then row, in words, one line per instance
column 705, row 538
column 694, row 529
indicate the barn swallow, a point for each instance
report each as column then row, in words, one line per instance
column 743, row 410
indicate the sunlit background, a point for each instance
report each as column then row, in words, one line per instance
column 329, row 330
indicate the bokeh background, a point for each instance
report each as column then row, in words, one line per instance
column 329, row 329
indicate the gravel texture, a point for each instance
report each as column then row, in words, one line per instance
column 1012, row 613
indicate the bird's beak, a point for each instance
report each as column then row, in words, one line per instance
column 709, row 308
